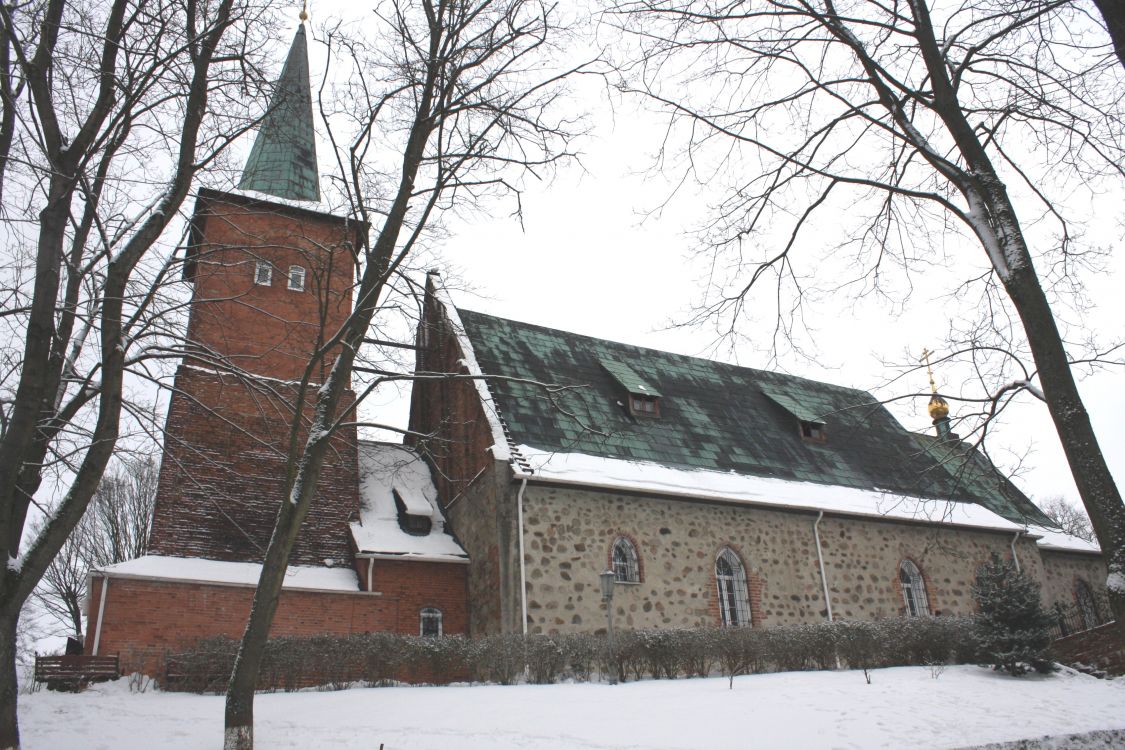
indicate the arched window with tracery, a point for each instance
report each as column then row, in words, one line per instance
column 913, row 589
column 626, row 564
column 734, row 598
column 1087, row 605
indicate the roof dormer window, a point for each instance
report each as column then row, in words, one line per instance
column 814, row 432
column 644, row 406
column 411, row 523
column 643, row 400
column 810, row 421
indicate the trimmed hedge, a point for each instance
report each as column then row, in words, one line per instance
column 387, row 658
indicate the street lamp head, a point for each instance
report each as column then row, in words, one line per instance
column 607, row 584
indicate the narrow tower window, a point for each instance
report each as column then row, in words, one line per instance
column 297, row 278
column 263, row 273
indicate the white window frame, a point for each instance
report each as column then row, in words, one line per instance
column 734, row 596
column 913, row 589
column 296, row 278
column 626, row 563
column 263, row 273
column 430, row 613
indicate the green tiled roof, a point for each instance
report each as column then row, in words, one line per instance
column 793, row 405
column 716, row 416
column 282, row 162
column 627, row 379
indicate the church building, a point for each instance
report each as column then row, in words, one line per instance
column 719, row 496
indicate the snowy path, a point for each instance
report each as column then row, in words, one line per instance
column 903, row 707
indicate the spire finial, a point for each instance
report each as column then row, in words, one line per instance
column 938, row 406
column 304, row 14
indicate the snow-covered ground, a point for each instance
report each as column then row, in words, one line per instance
column 902, row 707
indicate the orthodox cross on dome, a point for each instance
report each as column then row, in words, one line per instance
column 282, row 162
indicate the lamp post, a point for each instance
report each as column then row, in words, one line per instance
column 608, row 578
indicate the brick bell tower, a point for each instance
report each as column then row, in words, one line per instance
column 272, row 279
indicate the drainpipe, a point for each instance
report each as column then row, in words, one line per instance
column 523, row 566
column 1015, row 558
column 820, row 561
column 101, row 614
column 370, row 574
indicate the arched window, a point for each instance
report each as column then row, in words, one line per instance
column 626, row 569
column 1087, row 605
column 734, row 600
column 430, row 625
column 913, row 589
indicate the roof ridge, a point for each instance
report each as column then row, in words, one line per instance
column 693, row 358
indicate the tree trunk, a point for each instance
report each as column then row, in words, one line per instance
column 9, row 684
column 1091, row 474
column 238, row 733
column 1092, row 477
column 1113, row 13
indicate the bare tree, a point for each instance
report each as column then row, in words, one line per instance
column 1069, row 518
column 915, row 127
column 445, row 102
column 110, row 111
column 114, row 529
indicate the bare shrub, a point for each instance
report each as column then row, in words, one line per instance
column 546, row 658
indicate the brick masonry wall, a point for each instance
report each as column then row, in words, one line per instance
column 223, row 473
column 569, row 532
column 483, row 520
column 474, row 488
column 267, row 330
column 146, row 619
column 1102, row 647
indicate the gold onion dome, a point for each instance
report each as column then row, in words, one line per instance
column 939, row 408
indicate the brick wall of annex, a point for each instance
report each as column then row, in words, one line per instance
column 447, row 412
column 474, row 489
column 223, row 473
column 569, row 532
column 144, row 619
column 1063, row 570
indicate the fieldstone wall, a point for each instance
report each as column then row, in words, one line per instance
column 1063, row 570
column 569, row 533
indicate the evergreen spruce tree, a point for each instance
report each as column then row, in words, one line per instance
column 1013, row 629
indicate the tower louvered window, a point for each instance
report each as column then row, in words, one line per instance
column 734, row 599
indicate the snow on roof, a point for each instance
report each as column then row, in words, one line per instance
column 1052, row 539
column 386, row 470
column 577, row 468
column 197, row 569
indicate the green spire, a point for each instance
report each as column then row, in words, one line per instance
column 283, row 160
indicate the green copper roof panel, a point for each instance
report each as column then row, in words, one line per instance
column 282, row 162
column 715, row 416
column 798, row 409
column 627, row 379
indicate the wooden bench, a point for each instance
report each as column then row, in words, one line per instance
column 74, row 671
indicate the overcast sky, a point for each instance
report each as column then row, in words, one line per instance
column 591, row 257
